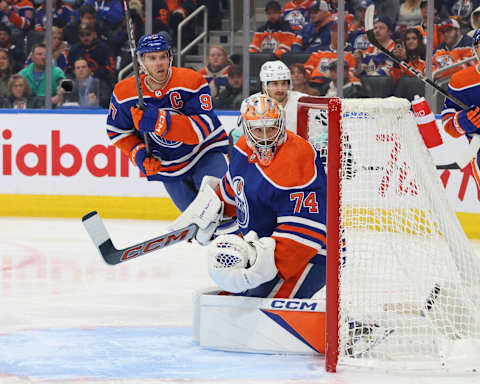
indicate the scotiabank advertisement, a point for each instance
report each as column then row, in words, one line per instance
column 68, row 153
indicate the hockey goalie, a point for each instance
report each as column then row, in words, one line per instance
column 275, row 187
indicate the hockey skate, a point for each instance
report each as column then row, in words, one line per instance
column 363, row 337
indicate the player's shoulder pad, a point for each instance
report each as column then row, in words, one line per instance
column 294, row 164
column 125, row 90
column 465, row 78
column 186, row 78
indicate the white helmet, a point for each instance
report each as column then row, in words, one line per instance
column 274, row 71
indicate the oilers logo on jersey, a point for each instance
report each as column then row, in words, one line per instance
column 269, row 43
column 241, row 201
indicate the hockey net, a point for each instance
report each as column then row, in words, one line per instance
column 403, row 282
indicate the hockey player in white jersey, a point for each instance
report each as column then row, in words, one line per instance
column 276, row 82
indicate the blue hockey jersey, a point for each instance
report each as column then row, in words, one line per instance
column 286, row 201
column 193, row 128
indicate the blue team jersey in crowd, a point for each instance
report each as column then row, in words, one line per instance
column 285, row 201
column 193, row 128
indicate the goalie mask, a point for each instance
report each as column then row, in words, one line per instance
column 264, row 127
column 274, row 71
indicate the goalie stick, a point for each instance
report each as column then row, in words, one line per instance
column 112, row 256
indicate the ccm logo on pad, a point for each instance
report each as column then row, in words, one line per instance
column 293, row 304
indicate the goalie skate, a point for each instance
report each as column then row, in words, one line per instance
column 362, row 337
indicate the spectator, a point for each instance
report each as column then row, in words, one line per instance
column 296, row 13
column 275, row 22
column 300, row 82
column 216, row 70
column 98, row 54
column 409, row 15
column 316, row 33
column 20, row 95
column 137, row 6
column 275, row 36
column 35, row 74
column 437, row 35
column 5, row 71
column 333, row 6
column 168, row 14
column 14, row 51
column 452, row 35
column 230, row 96
column 59, row 49
column 454, row 48
column 462, row 9
column 317, row 64
column 119, row 41
column 373, row 61
column 352, row 86
column 87, row 91
column 357, row 37
column 109, row 13
column 62, row 14
column 474, row 21
column 411, row 50
column 17, row 14
column 88, row 15
column 388, row 9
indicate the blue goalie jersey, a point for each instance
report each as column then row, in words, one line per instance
column 285, row 201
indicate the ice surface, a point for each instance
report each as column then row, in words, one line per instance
column 66, row 317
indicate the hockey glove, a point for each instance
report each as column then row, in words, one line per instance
column 206, row 211
column 237, row 264
column 148, row 165
column 467, row 121
column 151, row 119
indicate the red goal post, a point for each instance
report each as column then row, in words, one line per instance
column 403, row 283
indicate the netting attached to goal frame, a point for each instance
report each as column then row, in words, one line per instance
column 403, row 282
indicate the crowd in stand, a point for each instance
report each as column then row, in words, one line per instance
column 90, row 46
column 299, row 27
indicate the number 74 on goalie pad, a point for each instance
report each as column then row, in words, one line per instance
column 112, row 256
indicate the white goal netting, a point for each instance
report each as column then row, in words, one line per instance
column 409, row 281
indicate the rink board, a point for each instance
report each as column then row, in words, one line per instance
column 60, row 164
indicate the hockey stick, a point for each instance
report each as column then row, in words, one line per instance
column 412, row 309
column 131, row 44
column 369, row 14
column 474, row 145
column 100, row 237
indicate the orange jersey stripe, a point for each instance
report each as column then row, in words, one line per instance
column 127, row 143
column 308, row 232
column 287, row 287
column 291, row 257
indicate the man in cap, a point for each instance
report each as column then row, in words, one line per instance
column 98, row 54
column 316, row 33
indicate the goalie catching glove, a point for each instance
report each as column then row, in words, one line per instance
column 237, row 264
column 206, row 211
